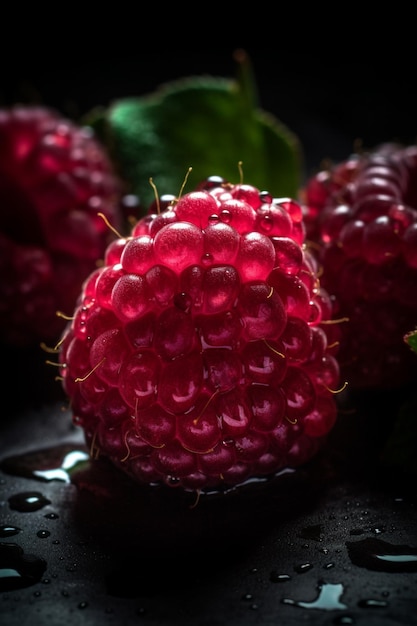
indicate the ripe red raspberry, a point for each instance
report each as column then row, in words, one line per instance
column 362, row 215
column 54, row 181
column 198, row 355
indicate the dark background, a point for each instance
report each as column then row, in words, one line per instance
column 331, row 89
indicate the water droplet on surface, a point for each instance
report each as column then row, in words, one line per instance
column 375, row 554
column 341, row 620
column 57, row 463
column 279, row 578
column 28, row 501
column 303, row 567
column 43, row 534
column 72, row 567
column 63, row 473
column 371, row 603
column 7, row 531
column 18, row 569
column 327, row 600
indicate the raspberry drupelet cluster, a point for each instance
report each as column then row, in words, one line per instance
column 201, row 354
column 362, row 215
column 54, row 179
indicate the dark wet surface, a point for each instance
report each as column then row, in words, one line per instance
column 332, row 543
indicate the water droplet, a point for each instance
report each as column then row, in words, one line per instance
column 43, row 534
column 72, row 567
column 51, row 516
column 57, row 463
column 225, row 216
column 83, row 605
column 18, row 569
column 303, row 567
column 279, row 578
column 207, row 259
column 70, row 461
column 341, row 620
column 247, row 596
column 327, row 600
column 28, row 501
column 371, row 603
column 7, row 531
column 375, row 554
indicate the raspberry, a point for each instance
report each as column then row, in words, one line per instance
column 198, row 356
column 361, row 215
column 55, row 179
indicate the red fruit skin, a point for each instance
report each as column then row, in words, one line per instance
column 361, row 216
column 55, row 178
column 209, row 362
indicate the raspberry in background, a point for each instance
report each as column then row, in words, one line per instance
column 361, row 215
column 201, row 354
column 55, row 179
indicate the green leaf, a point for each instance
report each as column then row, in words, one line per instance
column 209, row 124
column 410, row 339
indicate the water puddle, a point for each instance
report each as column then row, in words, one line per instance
column 17, row 568
column 57, row 463
column 378, row 555
column 329, row 599
column 28, row 501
